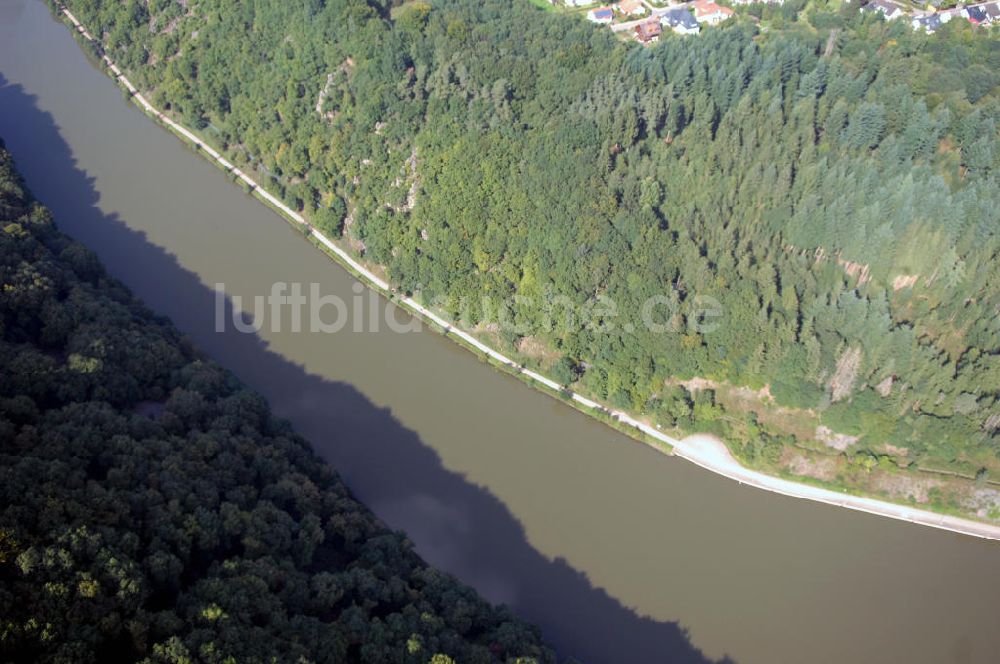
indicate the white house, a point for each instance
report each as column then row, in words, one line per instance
column 706, row 11
column 601, row 15
column 681, row 21
column 887, row 9
column 631, row 7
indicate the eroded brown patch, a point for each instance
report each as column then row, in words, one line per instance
column 817, row 467
column 905, row 487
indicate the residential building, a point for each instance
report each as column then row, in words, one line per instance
column 601, row 15
column 680, row 21
column 649, row 31
column 631, row 7
column 887, row 9
column 992, row 12
column 976, row 15
column 928, row 24
column 706, row 11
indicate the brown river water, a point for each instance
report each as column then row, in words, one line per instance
column 619, row 553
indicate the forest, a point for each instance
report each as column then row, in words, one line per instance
column 829, row 183
column 152, row 509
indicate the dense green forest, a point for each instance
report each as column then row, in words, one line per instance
column 152, row 509
column 830, row 182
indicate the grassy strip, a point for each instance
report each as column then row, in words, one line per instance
column 544, row 5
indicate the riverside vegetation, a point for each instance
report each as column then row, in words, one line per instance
column 836, row 195
column 152, row 509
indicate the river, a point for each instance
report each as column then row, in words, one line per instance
column 619, row 553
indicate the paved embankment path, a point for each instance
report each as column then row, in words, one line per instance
column 705, row 451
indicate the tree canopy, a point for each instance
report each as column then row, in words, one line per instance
column 152, row 509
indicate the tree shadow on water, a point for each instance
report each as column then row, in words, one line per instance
column 455, row 524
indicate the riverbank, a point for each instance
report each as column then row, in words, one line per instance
column 707, row 453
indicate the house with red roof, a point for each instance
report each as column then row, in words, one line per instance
column 631, row 7
column 649, row 31
column 706, row 11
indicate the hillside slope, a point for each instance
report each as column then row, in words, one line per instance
column 735, row 233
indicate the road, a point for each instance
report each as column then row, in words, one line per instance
column 705, row 451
